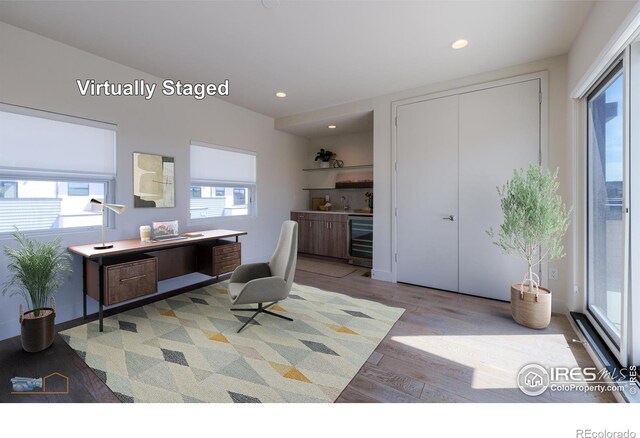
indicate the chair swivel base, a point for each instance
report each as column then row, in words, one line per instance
column 259, row 310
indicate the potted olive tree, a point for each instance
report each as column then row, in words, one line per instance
column 36, row 272
column 535, row 220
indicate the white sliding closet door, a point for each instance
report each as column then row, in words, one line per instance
column 427, row 192
column 499, row 132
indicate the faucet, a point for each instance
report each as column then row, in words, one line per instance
column 345, row 203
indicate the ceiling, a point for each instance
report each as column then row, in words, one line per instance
column 322, row 53
column 345, row 124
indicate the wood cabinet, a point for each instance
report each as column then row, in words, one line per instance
column 219, row 257
column 324, row 234
column 339, row 239
column 304, row 232
column 125, row 278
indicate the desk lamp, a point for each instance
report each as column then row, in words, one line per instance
column 117, row 208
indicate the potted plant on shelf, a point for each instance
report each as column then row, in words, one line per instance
column 368, row 198
column 35, row 272
column 535, row 220
column 324, row 156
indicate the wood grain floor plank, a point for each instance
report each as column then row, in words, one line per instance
column 374, row 358
column 380, row 391
column 350, row 395
column 393, row 379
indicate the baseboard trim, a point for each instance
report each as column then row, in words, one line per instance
column 382, row 275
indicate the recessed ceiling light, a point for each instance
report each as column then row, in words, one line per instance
column 459, row 44
column 281, row 94
column 332, row 126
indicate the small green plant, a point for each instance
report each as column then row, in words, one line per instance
column 324, row 155
column 36, row 269
column 368, row 198
column 535, row 218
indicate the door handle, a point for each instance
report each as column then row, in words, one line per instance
column 451, row 218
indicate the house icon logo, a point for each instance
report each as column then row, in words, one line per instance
column 533, row 379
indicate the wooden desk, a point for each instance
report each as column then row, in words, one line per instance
column 132, row 268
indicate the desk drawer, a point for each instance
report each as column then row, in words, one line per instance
column 219, row 257
column 125, row 278
column 130, row 280
column 230, row 256
column 224, row 247
column 226, row 266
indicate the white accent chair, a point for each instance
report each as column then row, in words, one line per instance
column 271, row 282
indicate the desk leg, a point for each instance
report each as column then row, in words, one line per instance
column 84, row 288
column 100, row 290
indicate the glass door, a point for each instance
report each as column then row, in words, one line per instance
column 605, row 204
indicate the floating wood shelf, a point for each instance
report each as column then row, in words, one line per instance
column 359, row 166
column 336, row 188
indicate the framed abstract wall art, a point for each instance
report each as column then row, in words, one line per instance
column 153, row 181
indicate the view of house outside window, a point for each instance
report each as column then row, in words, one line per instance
column 207, row 201
column 45, row 205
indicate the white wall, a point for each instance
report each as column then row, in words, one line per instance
column 559, row 155
column 355, row 148
column 40, row 73
column 601, row 24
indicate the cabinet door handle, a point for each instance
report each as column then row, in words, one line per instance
column 122, row 280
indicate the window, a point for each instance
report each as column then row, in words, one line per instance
column 51, row 166
column 239, row 196
column 224, row 181
column 8, row 189
column 48, row 204
column 77, row 189
column 196, row 192
column 605, row 199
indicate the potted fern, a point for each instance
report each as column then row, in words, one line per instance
column 35, row 272
column 324, row 156
column 535, row 220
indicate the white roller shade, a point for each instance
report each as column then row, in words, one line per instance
column 43, row 142
column 213, row 164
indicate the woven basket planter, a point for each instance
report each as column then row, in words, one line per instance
column 530, row 308
column 37, row 332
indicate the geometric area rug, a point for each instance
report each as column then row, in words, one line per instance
column 185, row 349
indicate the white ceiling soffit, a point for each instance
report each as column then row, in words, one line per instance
column 322, row 53
column 344, row 124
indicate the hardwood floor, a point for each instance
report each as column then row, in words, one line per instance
column 449, row 347
column 446, row 347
